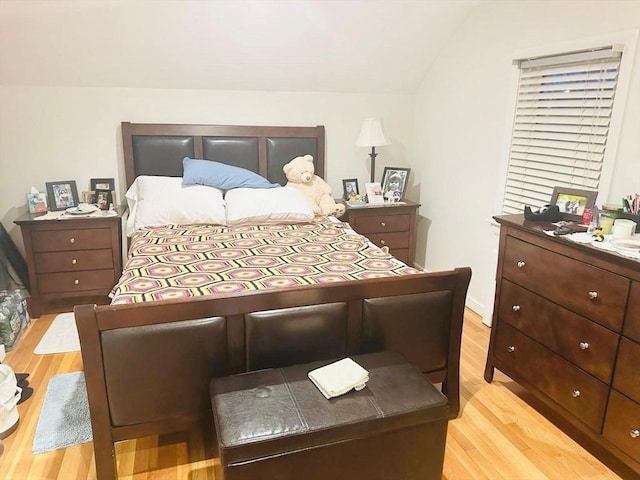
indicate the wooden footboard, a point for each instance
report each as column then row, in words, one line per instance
column 148, row 366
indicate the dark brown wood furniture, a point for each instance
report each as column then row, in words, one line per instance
column 148, row 365
column 566, row 326
column 71, row 259
column 390, row 225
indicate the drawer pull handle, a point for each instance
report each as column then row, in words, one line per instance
column 593, row 295
column 74, row 261
column 521, row 264
column 72, row 240
column 76, row 281
column 635, row 433
column 383, row 242
column 382, row 224
column 511, row 349
column 575, row 393
column 584, row 345
column 516, row 308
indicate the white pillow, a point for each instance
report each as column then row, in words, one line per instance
column 165, row 200
column 267, row 206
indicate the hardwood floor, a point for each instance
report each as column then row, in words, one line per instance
column 498, row 436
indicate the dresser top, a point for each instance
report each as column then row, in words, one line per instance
column 538, row 228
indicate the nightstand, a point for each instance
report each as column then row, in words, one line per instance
column 390, row 225
column 71, row 258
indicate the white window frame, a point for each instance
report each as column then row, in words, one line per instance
column 627, row 42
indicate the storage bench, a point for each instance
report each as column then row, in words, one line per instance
column 275, row 424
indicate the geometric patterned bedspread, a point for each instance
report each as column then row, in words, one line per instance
column 180, row 261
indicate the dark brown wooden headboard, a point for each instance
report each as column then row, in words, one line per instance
column 158, row 149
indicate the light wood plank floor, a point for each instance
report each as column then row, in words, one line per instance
column 498, row 436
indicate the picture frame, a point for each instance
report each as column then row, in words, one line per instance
column 350, row 188
column 374, row 193
column 62, row 194
column 572, row 202
column 394, row 179
column 103, row 198
column 89, row 196
column 102, row 184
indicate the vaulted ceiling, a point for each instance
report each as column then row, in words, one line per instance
column 367, row 46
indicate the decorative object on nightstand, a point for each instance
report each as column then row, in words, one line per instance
column 62, row 195
column 394, row 183
column 372, row 135
column 390, row 225
column 71, row 256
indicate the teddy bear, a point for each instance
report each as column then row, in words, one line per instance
column 300, row 175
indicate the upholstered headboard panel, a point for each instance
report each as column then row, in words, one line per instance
column 158, row 149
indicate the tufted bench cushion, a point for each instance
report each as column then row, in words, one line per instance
column 275, row 424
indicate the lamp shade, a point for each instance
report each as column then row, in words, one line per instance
column 371, row 134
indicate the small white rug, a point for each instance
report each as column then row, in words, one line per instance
column 61, row 337
column 64, row 419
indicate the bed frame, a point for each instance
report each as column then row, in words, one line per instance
column 148, row 365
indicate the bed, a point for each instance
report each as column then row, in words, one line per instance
column 148, row 357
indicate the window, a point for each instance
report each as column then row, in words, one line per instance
column 561, row 127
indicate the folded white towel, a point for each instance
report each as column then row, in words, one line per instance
column 339, row 377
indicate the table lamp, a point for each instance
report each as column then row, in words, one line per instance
column 372, row 136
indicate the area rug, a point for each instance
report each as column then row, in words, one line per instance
column 64, row 419
column 61, row 337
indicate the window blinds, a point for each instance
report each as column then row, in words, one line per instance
column 563, row 111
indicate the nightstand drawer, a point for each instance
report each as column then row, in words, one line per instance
column 391, row 239
column 76, row 281
column 74, row 260
column 77, row 239
column 366, row 224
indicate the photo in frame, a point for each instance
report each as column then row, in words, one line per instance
column 573, row 202
column 350, row 188
column 102, row 184
column 103, row 198
column 62, row 195
column 374, row 193
column 89, row 197
column 394, row 183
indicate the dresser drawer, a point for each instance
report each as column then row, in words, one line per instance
column 627, row 376
column 391, row 239
column 73, row 260
column 590, row 291
column 574, row 390
column 366, row 224
column 622, row 424
column 78, row 239
column 632, row 320
column 581, row 341
column 76, row 281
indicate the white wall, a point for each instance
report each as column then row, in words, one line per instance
column 49, row 134
column 461, row 124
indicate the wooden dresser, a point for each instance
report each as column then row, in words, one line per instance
column 566, row 326
column 390, row 225
column 71, row 258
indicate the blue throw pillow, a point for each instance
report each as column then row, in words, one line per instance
column 221, row 175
